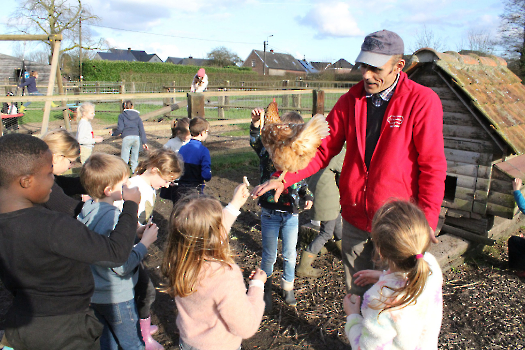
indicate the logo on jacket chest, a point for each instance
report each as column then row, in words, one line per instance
column 395, row 121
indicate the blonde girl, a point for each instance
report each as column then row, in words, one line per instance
column 160, row 168
column 65, row 150
column 86, row 112
column 214, row 309
column 404, row 308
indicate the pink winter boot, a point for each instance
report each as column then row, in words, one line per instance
column 151, row 344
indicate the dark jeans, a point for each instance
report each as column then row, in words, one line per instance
column 328, row 230
column 144, row 293
column 121, row 326
column 63, row 332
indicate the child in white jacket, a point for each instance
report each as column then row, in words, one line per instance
column 404, row 308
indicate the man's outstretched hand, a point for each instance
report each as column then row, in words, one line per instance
column 269, row 185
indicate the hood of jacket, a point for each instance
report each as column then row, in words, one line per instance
column 131, row 114
column 97, row 215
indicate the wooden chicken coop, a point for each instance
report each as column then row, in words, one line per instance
column 484, row 133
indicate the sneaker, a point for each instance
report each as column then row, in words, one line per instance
column 22, row 109
column 53, row 104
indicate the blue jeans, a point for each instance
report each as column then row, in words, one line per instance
column 121, row 326
column 131, row 144
column 273, row 222
column 33, row 94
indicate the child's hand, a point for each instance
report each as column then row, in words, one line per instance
column 145, row 146
column 352, row 304
column 130, row 194
column 516, row 184
column 308, row 205
column 150, row 235
column 98, row 139
column 257, row 114
column 366, row 277
column 240, row 195
column 258, row 274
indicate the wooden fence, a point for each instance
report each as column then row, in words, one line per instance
column 196, row 102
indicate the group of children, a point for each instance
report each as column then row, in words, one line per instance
column 75, row 268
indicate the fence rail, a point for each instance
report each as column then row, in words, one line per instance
column 229, row 105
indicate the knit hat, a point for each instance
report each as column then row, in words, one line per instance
column 201, row 73
column 379, row 47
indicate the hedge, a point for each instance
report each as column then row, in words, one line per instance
column 100, row 70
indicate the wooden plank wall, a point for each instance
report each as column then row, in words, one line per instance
column 501, row 200
column 468, row 149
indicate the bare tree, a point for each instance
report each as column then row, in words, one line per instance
column 222, row 57
column 480, row 42
column 512, row 31
column 55, row 17
column 427, row 38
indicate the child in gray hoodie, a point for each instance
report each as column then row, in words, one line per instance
column 113, row 300
column 131, row 128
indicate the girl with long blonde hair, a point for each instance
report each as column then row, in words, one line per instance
column 214, row 309
column 404, row 308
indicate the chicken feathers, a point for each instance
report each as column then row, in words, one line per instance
column 291, row 146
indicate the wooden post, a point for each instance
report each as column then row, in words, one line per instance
column 122, row 90
column 286, row 101
column 221, row 109
column 166, row 101
column 226, row 98
column 318, row 102
column 65, row 112
column 132, row 87
column 97, row 87
column 296, row 101
column 50, row 85
column 195, row 105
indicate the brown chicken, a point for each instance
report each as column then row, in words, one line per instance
column 291, row 146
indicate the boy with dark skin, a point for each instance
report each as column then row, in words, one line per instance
column 45, row 255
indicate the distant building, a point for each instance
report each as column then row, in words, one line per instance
column 189, row 61
column 308, row 67
column 321, row 66
column 127, row 55
column 10, row 69
column 276, row 63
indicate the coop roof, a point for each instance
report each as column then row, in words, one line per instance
column 492, row 88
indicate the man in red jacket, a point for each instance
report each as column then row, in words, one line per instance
column 393, row 128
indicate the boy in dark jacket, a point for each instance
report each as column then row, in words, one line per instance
column 45, row 255
column 280, row 216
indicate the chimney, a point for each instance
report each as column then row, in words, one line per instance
column 129, row 49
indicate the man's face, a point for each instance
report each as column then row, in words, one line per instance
column 377, row 79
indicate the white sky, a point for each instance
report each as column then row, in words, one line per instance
column 315, row 30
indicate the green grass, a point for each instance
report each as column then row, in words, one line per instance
column 242, row 130
column 233, row 159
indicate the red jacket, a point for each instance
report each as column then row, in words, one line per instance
column 408, row 162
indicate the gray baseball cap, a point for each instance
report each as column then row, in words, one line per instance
column 379, row 47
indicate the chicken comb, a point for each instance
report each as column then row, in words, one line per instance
column 272, row 114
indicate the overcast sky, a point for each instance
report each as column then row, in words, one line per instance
column 315, row 30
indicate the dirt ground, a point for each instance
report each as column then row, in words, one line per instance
column 483, row 302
